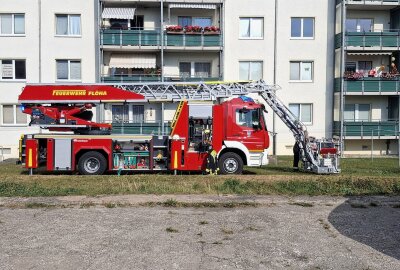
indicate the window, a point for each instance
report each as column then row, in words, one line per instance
column 359, row 25
column 301, row 71
column 251, row 27
column 302, row 28
column 12, row 24
column 195, row 69
column 120, row 113
column 13, row 115
column 68, row 25
column 351, row 66
column 199, row 21
column 303, row 112
column 357, row 112
column 12, row 69
column 247, row 118
column 68, row 70
column 137, row 113
column 364, row 65
column 250, row 70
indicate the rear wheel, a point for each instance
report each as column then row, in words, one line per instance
column 230, row 163
column 92, row 163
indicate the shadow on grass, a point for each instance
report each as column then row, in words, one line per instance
column 371, row 222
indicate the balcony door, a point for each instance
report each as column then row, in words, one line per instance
column 357, row 112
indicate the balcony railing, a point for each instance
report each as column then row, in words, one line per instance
column 368, row 128
column 154, row 78
column 370, row 2
column 388, row 39
column 143, row 128
column 131, row 78
column 370, row 85
column 153, row 38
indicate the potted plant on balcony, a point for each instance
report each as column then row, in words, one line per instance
column 353, row 76
column 174, row 29
column 211, row 30
column 193, row 29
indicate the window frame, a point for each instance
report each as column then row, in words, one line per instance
column 13, row 34
column 15, row 108
column 301, row 63
column 302, row 28
column 357, row 112
column 358, row 26
column 192, row 68
column 249, row 71
column 69, row 71
column 311, row 111
column 68, row 25
column 13, row 79
column 250, row 19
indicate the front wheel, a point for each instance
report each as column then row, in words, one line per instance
column 92, row 163
column 230, row 163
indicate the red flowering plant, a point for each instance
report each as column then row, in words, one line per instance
column 174, row 28
column 193, row 29
column 211, row 29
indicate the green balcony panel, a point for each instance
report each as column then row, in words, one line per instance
column 111, row 37
column 174, row 40
column 389, row 129
column 352, row 128
column 357, row 129
column 353, row 86
column 371, row 85
column 193, row 40
column 212, row 40
column 389, row 86
column 390, row 39
column 138, row 78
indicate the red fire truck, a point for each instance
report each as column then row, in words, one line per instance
column 219, row 138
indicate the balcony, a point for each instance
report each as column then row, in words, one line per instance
column 385, row 40
column 152, row 39
column 369, row 86
column 143, row 128
column 154, row 78
column 360, row 129
column 382, row 3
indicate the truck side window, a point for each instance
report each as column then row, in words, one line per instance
column 247, row 118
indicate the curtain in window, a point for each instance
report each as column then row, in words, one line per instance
column 363, row 112
column 6, row 24
column 74, row 24
column 245, row 27
column 294, row 70
column 256, row 27
column 244, row 70
column 120, row 113
column 75, row 70
column 62, row 70
column 8, row 114
column 349, row 112
column 20, row 116
column 295, row 109
column 305, row 112
column 62, row 25
column 19, row 24
column 256, row 71
column 7, row 69
column 184, row 69
column 306, row 71
column 137, row 113
column 202, row 70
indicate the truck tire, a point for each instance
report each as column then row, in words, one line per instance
column 92, row 163
column 230, row 163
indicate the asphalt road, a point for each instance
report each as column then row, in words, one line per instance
column 285, row 233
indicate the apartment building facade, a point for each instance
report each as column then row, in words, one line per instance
column 366, row 76
column 289, row 43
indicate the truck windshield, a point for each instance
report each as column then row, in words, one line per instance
column 248, row 118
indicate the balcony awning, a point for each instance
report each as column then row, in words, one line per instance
column 133, row 61
column 199, row 6
column 118, row 13
column 370, row 53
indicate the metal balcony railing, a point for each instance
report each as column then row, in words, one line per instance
column 370, row 2
column 368, row 128
column 386, row 38
column 143, row 128
column 119, row 37
column 120, row 78
column 370, row 85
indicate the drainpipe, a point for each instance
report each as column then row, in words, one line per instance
column 274, row 79
column 162, row 39
column 342, row 67
column 40, row 39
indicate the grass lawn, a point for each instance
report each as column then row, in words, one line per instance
column 358, row 177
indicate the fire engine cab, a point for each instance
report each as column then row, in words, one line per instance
column 219, row 138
